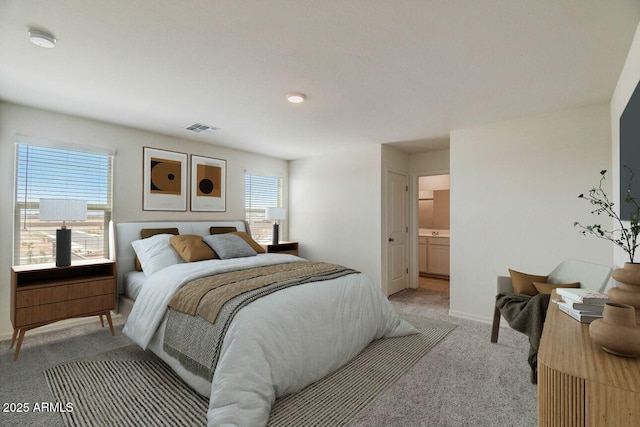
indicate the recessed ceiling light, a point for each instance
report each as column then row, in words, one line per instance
column 296, row 98
column 42, row 39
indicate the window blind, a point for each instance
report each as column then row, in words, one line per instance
column 60, row 173
column 261, row 192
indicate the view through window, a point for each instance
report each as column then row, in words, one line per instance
column 261, row 192
column 57, row 173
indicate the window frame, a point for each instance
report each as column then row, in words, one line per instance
column 261, row 229
column 30, row 204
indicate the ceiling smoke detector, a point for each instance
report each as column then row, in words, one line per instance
column 296, row 98
column 42, row 38
column 199, row 128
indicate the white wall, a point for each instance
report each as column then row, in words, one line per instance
column 128, row 144
column 338, row 205
column 514, row 188
column 335, row 202
column 629, row 78
column 430, row 163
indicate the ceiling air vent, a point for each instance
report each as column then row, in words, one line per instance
column 199, row 128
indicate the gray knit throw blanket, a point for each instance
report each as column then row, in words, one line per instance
column 526, row 314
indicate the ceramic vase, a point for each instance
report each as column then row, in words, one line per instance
column 629, row 290
column 617, row 332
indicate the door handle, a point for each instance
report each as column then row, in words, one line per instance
column 391, row 239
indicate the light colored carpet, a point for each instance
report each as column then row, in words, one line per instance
column 150, row 394
column 465, row 380
column 336, row 399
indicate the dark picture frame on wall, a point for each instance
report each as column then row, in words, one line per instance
column 164, row 181
column 208, row 184
column 630, row 152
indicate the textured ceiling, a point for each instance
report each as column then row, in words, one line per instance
column 374, row 71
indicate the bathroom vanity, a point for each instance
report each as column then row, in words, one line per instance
column 433, row 253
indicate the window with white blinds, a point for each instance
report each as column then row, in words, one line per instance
column 60, row 173
column 261, row 192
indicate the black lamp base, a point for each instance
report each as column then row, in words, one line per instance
column 276, row 233
column 63, row 247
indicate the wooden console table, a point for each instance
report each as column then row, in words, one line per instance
column 579, row 384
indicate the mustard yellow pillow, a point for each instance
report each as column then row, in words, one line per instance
column 546, row 288
column 523, row 283
column 247, row 238
column 192, row 248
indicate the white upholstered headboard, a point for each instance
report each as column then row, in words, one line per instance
column 123, row 233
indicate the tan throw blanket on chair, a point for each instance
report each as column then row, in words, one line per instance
column 202, row 310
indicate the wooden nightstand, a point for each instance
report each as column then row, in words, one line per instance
column 283, row 248
column 43, row 294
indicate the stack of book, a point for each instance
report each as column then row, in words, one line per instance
column 583, row 305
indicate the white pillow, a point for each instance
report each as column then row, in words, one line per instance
column 155, row 253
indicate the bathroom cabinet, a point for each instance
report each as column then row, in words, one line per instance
column 438, row 256
column 422, row 254
column 433, row 253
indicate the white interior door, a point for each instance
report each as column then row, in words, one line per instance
column 397, row 232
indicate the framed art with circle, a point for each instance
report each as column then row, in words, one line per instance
column 164, row 180
column 208, row 184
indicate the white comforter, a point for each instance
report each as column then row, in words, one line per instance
column 278, row 344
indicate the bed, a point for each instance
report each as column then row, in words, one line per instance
column 275, row 344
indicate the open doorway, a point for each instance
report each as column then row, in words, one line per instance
column 433, row 232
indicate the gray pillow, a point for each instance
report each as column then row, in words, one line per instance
column 229, row 246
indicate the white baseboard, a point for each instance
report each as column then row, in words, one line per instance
column 454, row 313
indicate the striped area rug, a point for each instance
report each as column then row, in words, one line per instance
column 125, row 393
column 151, row 394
